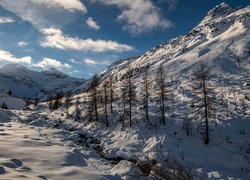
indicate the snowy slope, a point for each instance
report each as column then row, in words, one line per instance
column 221, row 39
column 27, row 83
column 12, row 102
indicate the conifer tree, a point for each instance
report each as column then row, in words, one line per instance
column 131, row 94
column 160, row 91
column 67, row 102
column 77, row 109
column 146, row 96
column 105, row 105
column 111, row 89
column 203, row 90
column 93, row 96
column 36, row 101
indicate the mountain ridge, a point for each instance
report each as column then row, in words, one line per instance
column 24, row 82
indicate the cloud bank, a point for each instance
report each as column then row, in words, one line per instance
column 51, row 63
column 6, row 56
column 54, row 38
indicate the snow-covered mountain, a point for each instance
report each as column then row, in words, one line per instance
column 28, row 83
column 148, row 150
column 222, row 39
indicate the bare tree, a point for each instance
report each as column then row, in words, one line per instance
column 93, row 93
column 50, row 102
column 89, row 110
column 105, row 104
column 146, row 96
column 67, row 102
column 130, row 94
column 235, row 99
column 202, row 88
column 36, row 101
column 111, row 92
column 77, row 110
column 187, row 125
column 244, row 104
column 123, row 96
column 161, row 92
column 57, row 101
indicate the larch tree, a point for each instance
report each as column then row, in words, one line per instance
column 93, row 93
column 67, row 103
column 104, row 93
column 77, row 109
column 201, row 79
column 111, row 90
column 146, row 96
column 160, row 91
column 128, row 96
column 131, row 94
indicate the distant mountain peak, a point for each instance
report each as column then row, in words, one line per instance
column 12, row 68
column 55, row 72
column 221, row 9
column 223, row 4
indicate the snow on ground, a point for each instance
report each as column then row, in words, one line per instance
column 49, row 142
column 12, row 102
column 30, row 152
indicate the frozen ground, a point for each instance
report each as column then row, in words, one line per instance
column 44, row 145
column 29, row 152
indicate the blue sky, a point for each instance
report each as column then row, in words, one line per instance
column 82, row 37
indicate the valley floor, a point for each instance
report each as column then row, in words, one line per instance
column 44, row 145
column 28, row 152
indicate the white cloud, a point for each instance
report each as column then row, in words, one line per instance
column 22, row 43
column 45, row 13
column 90, row 62
column 70, row 5
column 6, row 56
column 92, row 24
column 54, row 38
column 6, row 20
column 52, row 63
column 140, row 16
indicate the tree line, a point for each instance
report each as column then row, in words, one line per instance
column 157, row 94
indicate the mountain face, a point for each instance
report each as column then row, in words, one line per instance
column 27, row 83
column 221, row 39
